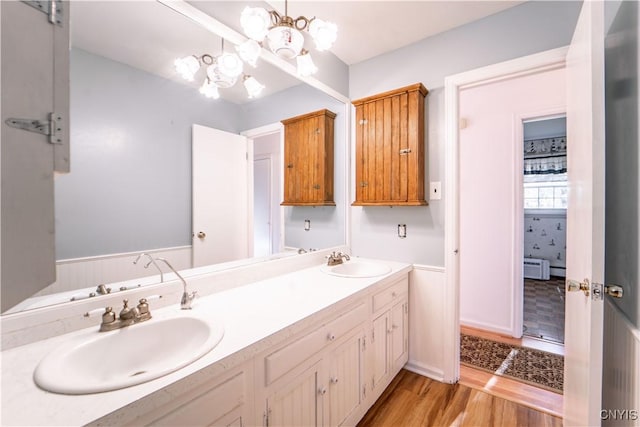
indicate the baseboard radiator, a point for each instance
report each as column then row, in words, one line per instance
column 535, row 268
column 621, row 369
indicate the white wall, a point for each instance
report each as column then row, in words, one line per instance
column 525, row 29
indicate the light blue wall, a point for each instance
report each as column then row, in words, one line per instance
column 622, row 231
column 525, row 29
column 130, row 183
column 327, row 223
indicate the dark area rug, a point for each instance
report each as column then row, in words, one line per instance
column 535, row 367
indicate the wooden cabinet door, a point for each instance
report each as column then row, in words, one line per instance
column 308, row 159
column 345, row 379
column 300, row 401
column 390, row 148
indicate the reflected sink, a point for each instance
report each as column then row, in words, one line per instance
column 356, row 268
column 113, row 360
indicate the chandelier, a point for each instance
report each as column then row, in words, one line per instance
column 283, row 34
column 223, row 71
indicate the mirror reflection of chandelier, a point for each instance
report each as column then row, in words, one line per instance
column 283, row 34
column 223, row 72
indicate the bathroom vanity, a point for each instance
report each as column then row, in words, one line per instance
column 301, row 348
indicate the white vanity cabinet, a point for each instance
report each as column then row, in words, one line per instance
column 224, row 401
column 389, row 335
column 315, row 380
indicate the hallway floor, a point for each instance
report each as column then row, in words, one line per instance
column 544, row 309
column 414, row 400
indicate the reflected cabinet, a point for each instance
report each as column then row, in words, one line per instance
column 390, row 149
column 308, row 159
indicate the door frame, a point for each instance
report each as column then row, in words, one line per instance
column 270, row 158
column 527, row 65
column 258, row 132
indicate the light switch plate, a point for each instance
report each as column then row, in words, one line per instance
column 435, row 190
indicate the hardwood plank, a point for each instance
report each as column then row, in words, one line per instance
column 414, row 400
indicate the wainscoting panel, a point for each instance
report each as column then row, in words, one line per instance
column 86, row 272
column 621, row 370
column 426, row 321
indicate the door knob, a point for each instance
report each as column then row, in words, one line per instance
column 575, row 286
column 201, row 234
column 614, row 291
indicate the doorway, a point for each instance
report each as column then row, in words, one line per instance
column 267, row 182
column 545, row 192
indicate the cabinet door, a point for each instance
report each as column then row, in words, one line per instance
column 380, row 362
column 381, row 137
column 293, row 134
column 345, row 389
column 399, row 333
column 299, row 402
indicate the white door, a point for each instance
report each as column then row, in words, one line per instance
column 262, row 206
column 585, row 218
column 221, row 190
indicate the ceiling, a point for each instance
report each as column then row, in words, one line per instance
column 149, row 36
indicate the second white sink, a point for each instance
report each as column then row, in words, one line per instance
column 357, row 268
column 136, row 354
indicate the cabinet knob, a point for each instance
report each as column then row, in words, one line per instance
column 334, row 380
column 331, row 336
column 364, row 184
column 201, row 234
column 290, row 166
column 316, row 187
column 394, row 294
column 322, row 391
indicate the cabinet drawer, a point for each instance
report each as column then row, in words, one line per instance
column 390, row 294
column 208, row 407
column 281, row 362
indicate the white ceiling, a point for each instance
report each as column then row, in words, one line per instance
column 149, row 36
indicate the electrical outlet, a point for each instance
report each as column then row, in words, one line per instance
column 435, row 190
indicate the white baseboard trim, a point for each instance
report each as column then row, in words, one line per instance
column 486, row 327
column 425, row 371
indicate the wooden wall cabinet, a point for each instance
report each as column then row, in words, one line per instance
column 308, row 159
column 390, row 149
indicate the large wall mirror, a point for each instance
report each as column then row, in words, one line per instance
column 130, row 186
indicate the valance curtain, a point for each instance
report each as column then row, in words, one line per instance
column 545, row 156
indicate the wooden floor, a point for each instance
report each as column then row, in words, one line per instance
column 414, row 400
column 515, row 391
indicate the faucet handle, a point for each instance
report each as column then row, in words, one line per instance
column 128, row 313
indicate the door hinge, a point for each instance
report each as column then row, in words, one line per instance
column 364, row 343
column 405, row 151
column 364, row 184
column 373, row 335
column 316, row 186
column 52, row 8
column 265, row 416
column 406, row 308
column 363, row 121
column 52, row 128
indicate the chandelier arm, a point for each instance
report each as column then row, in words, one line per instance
column 305, row 23
column 275, row 17
column 206, row 59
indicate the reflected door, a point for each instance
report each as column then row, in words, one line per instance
column 222, row 221
column 262, row 207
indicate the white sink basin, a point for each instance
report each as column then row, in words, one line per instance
column 132, row 355
column 356, row 268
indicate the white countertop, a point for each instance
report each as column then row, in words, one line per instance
column 255, row 316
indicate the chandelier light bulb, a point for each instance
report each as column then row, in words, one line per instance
column 255, row 22
column 249, row 51
column 324, row 33
column 306, row 67
column 285, row 41
column 187, row 67
column 209, row 90
column 253, row 87
column 230, row 64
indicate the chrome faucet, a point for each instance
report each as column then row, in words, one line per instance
column 337, row 258
column 151, row 261
column 187, row 297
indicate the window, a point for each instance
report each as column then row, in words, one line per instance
column 545, row 192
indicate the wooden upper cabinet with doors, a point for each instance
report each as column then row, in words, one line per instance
column 308, row 159
column 390, row 149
